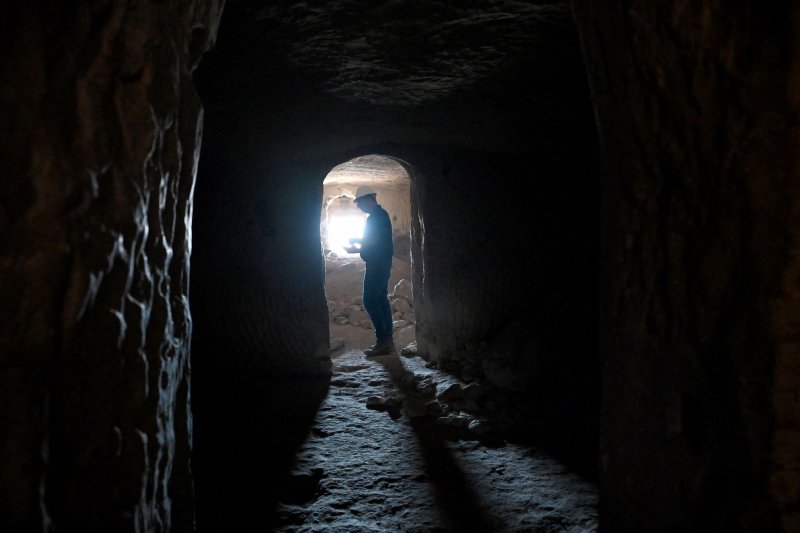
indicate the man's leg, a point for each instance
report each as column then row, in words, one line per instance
column 370, row 299
column 376, row 303
column 385, row 311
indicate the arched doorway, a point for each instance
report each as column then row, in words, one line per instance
column 340, row 219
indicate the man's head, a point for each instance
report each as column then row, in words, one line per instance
column 365, row 198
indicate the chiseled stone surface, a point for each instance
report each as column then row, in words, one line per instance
column 697, row 111
column 99, row 136
column 408, row 54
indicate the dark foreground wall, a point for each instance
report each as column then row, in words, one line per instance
column 99, row 137
column 697, row 110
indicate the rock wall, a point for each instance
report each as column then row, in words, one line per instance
column 99, row 136
column 504, row 250
column 259, row 285
column 697, row 110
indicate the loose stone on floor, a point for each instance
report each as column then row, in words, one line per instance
column 377, row 461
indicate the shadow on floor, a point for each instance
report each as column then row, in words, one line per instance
column 567, row 431
column 246, row 435
column 459, row 503
column 561, row 415
column 565, row 424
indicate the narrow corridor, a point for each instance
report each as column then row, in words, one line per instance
column 600, row 226
column 368, row 466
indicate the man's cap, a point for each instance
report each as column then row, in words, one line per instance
column 362, row 191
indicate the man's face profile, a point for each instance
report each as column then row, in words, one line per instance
column 365, row 203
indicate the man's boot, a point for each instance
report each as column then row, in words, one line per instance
column 383, row 347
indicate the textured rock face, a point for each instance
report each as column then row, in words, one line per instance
column 486, row 106
column 99, row 137
column 394, row 53
column 697, row 109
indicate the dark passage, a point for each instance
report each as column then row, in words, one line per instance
column 502, row 225
column 601, row 249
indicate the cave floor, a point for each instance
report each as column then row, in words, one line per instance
column 376, row 469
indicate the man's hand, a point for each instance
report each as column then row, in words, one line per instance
column 355, row 245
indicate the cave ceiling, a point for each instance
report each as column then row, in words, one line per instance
column 407, row 53
column 369, row 169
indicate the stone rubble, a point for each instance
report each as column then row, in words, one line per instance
column 355, row 314
column 348, row 318
column 410, row 349
column 428, row 466
column 336, row 343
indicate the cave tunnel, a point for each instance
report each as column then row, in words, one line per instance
column 603, row 261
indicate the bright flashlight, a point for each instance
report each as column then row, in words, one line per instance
column 342, row 229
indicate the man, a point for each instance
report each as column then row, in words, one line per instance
column 376, row 251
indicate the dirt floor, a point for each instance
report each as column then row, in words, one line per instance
column 366, row 465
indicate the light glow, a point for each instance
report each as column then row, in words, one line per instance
column 342, row 228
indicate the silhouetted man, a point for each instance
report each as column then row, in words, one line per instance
column 376, row 251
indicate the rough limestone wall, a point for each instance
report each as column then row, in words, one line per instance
column 99, row 137
column 504, row 281
column 697, row 107
column 396, row 199
column 258, row 291
column 478, row 260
